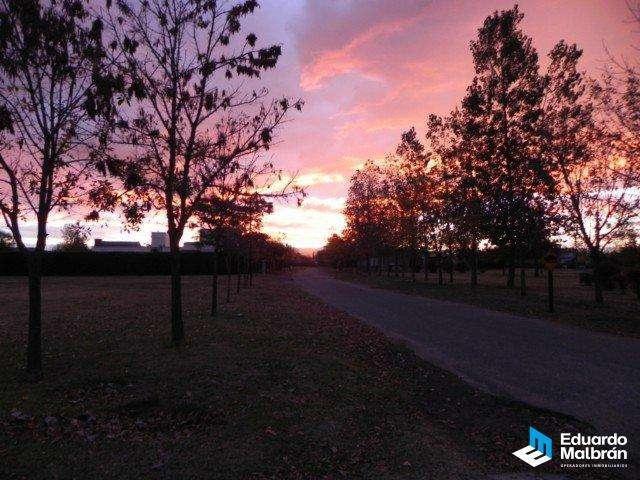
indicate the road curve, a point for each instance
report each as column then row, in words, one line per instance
column 592, row 376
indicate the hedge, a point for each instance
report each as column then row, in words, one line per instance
column 113, row 263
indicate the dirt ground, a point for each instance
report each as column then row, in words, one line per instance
column 277, row 386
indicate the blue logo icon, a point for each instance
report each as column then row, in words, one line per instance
column 539, row 449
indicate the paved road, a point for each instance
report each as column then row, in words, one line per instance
column 591, row 376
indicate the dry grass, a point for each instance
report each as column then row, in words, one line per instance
column 277, row 386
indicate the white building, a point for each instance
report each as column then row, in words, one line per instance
column 196, row 247
column 117, row 246
column 160, row 241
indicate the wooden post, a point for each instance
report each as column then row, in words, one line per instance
column 451, row 266
column 413, row 263
column 238, row 272
column 426, row 265
column 550, row 288
column 228, row 265
column 250, row 261
column 214, row 285
column 550, row 263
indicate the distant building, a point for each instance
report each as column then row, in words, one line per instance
column 204, row 244
column 196, row 247
column 191, row 247
column 117, row 246
column 160, row 241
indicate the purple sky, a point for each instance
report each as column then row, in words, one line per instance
column 369, row 69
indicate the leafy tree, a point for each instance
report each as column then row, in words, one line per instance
column 368, row 224
column 228, row 215
column 193, row 122
column 460, row 208
column 503, row 125
column 336, row 252
column 6, row 241
column 619, row 95
column 74, row 238
column 410, row 185
column 597, row 199
column 55, row 91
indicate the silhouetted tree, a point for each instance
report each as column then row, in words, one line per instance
column 227, row 215
column 55, row 88
column 460, row 211
column 596, row 196
column 336, row 252
column 192, row 121
column 6, row 241
column 367, row 207
column 409, row 189
column 74, row 238
column 503, row 122
column 619, row 96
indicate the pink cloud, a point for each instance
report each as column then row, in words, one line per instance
column 369, row 69
column 348, row 58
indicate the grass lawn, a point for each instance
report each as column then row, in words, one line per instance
column 278, row 386
column 574, row 303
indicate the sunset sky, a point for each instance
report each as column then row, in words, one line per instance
column 369, row 69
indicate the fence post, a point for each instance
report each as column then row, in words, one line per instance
column 214, row 285
column 550, row 288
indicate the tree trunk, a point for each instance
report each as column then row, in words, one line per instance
column 34, row 345
column 511, row 277
column 214, row 286
column 474, row 266
column 227, row 264
column 177, row 327
column 597, row 280
column 523, row 282
column 250, row 262
column 426, row 266
column 238, row 273
column 397, row 259
column 550, row 289
column 413, row 264
column 451, row 267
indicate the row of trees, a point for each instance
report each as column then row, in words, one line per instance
column 526, row 156
column 134, row 106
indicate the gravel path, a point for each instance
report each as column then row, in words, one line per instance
column 594, row 377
